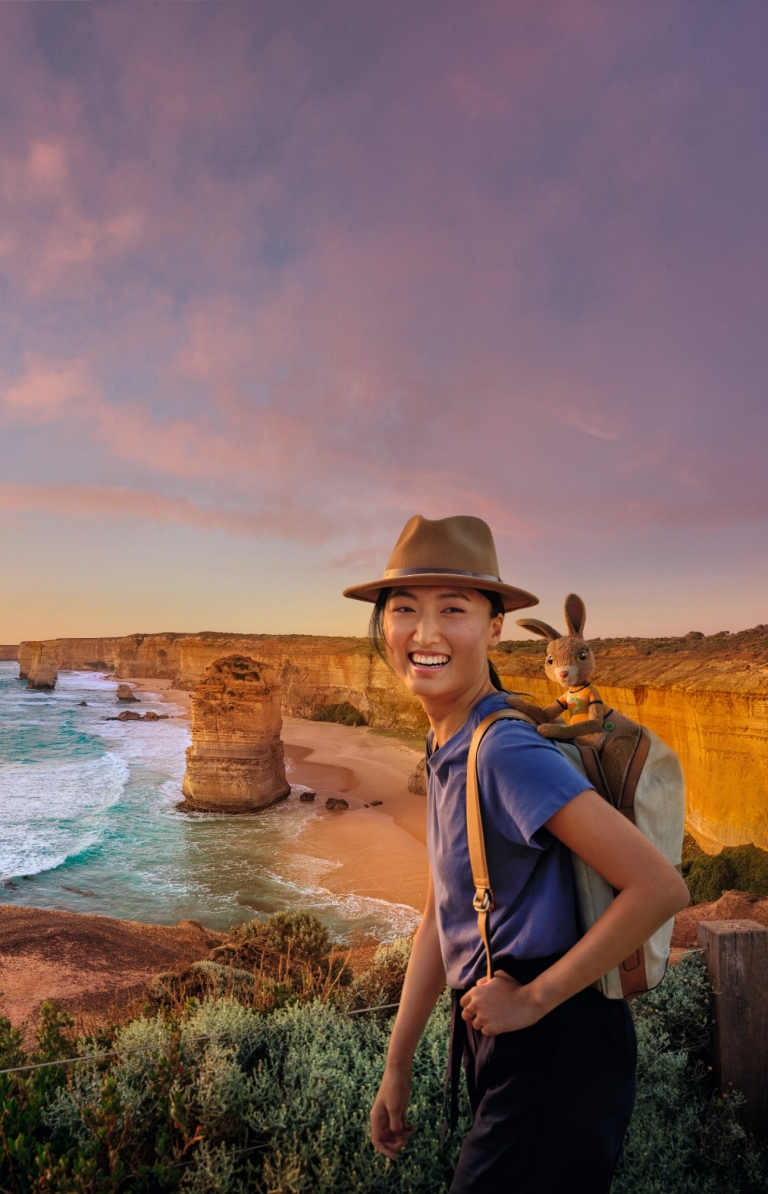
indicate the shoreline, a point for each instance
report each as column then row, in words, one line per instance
column 379, row 851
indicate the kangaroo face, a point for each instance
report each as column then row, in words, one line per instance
column 569, row 662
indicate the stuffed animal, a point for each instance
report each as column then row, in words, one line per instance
column 570, row 663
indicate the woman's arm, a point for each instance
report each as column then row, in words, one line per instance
column 424, row 980
column 650, row 891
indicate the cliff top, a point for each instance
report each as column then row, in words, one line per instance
column 726, row 662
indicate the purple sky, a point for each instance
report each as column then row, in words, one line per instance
column 275, row 276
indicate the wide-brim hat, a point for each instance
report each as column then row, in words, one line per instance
column 456, row 551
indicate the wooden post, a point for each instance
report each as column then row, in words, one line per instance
column 737, row 966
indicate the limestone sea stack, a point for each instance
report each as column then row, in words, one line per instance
column 42, row 675
column 235, row 762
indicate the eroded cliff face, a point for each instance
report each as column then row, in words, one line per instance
column 235, row 762
column 8, row 652
column 706, row 697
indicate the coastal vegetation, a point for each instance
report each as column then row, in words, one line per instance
column 735, row 868
column 343, row 713
column 262, row 1080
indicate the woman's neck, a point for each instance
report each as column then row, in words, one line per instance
column 447, row 716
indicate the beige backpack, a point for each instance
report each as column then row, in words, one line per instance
column 643, row 778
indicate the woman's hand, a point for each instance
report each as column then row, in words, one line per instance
column 389, row 1130
column 499, row 1005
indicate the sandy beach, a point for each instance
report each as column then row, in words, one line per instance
column 378, row 851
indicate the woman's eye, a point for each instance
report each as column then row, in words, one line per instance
column 453, row 609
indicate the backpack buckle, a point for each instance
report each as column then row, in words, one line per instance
column 483, row 901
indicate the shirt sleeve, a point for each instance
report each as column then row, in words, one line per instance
column 524, row 780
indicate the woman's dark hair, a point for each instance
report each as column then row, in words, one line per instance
column 376, row 628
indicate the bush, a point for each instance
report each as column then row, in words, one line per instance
column 218, row 1098
column 708, row 876
column 743, row 868
column 684, row 1137
column 344, row 713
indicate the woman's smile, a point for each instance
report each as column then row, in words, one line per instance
column 428, row 661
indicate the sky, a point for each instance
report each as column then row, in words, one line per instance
column 275, row 276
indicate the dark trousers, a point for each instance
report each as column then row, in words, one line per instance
column 552, row 1102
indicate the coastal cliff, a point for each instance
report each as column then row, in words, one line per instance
column 9, row 652
column 235, row 762
column 706, row 696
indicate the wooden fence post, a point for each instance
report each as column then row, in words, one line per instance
column 737, row 966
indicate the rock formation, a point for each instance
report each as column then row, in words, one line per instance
column 43, row 675
column 8, row 652
column 235, row 762
column 125, row 693
column 705, row 696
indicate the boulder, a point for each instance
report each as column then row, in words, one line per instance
column 83, row 704
column 417, row 782
column 150, row 715
column 307, row 795
column 125, row 693
column 235, row 762
column 43, row 675
column 127, row 715
column 336, row 804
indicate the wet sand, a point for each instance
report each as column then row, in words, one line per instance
column 379, row 852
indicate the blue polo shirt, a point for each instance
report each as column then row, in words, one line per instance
column 524, row 780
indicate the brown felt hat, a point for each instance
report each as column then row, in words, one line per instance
column 456, row 551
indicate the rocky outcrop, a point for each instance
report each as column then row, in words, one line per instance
column 235, row 762
column 417, row 783
column 125, row 693
column 8, row 652
column 706, row 697
column 42, row 675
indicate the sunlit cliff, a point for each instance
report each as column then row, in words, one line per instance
column 706, row 697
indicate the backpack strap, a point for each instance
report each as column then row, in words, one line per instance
column 483, row 902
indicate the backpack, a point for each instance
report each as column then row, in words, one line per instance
column 639, row 775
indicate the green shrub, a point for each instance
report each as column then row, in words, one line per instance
column 743, row 868
column 708, row 876
column 219, row 1098
column 382, row 982
column 684, row 1138
column 750, row 867
column 344, row 713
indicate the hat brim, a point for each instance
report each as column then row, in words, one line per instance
column 513, row 598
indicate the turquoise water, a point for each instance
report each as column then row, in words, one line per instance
column 89, row 823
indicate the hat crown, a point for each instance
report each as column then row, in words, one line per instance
column 461, row 543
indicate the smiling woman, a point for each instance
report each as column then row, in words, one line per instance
column 550, row 1061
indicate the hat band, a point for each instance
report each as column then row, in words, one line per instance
column 391, row 573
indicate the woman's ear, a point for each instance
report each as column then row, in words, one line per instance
column 497, row 625
column 575, row 614
column 540, row 628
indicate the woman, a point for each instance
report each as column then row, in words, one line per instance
column 550, row 1062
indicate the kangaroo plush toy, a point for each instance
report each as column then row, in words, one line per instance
column 571, row 664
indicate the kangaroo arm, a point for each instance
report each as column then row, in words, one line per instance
column 535, row 712
column 567, row 733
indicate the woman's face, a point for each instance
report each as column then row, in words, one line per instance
column 438, row 639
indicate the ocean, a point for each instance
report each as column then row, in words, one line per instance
column 89, row 822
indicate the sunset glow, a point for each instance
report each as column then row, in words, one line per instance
column 275, row 276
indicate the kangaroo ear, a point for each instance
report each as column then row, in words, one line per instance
column 540, row 628
column 575, row 614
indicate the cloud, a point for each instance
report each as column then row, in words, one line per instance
column 309, row 274
column 110, row 502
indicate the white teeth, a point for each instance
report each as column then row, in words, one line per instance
column 430, row 660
